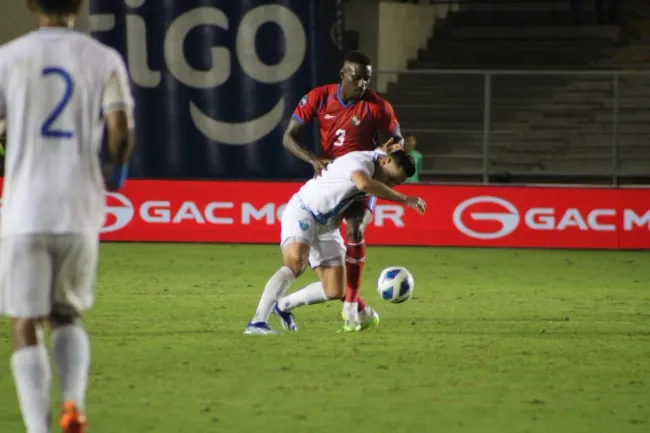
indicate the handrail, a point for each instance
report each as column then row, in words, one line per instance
column 488, row 132
column 604, row 73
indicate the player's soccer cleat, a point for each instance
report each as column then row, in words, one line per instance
column 286, row 319
column 368, row 318
column 350, row 326
column 259, row 328
column 72, row 419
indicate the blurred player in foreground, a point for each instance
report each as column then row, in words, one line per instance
column 57, row 90
column 311, row 232
column 349, row 117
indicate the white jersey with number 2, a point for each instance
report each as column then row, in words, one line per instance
column 55, row 87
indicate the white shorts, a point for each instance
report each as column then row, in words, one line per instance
column 298, row 225
column 45, row 274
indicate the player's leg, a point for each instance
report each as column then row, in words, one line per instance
column 25, row 291
column 75, row 266
column 355, row 257
column 298, row 231
column 358, row 217
column 326, row 257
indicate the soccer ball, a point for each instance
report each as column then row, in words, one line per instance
column 395, row 284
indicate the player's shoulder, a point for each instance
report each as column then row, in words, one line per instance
column 323, row 91
column 374, row 99
column 318, row 95
column 17, row 45
column 108, row 54
column 358, row 156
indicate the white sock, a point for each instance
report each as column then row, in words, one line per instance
column 312, row 294
column 31, row 369
column 351, row 311
column 274, row 290
column 71, row 348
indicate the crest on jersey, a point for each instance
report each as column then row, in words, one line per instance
column 356, row 121
column 303, row 101
column 304, row 225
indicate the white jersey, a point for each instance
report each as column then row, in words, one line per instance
column 53, row 94
column 328, row 195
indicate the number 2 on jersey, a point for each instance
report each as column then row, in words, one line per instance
column 46, row 129
column 340, row 137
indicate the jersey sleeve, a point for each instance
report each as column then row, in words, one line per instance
column 388, row 124
column 308, row 106
column 117, row 90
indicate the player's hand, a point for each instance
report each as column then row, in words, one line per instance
column 392, row 145
column 416, row 203
column 319, row 165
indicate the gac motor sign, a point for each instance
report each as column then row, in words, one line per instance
column 250, row 212
column 541, row 218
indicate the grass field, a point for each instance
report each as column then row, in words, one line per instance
column 493, row 341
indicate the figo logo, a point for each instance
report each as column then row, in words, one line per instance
column 470, row 213
column 220, row 70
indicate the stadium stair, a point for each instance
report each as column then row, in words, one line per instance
column 540, row 124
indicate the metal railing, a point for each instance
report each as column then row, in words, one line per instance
column 508, row 94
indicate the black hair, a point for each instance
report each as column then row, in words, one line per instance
column 58, row 6
column 405, row 161
column 357, row 57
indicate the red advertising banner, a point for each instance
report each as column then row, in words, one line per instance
column 249, row 212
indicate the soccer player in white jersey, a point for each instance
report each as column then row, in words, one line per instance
column 59, row 89
column 311, row 233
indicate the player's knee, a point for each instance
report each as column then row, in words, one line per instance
column 25, row 332
column 296, row 263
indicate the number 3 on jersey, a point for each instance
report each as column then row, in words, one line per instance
column 47, row 130
column 340, row 137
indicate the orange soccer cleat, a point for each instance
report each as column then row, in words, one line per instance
column 72, row 419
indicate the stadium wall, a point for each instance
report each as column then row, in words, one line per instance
column 471, row 216
column 393, row 33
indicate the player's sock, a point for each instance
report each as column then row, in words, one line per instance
column 355, row 258
column 274, row 289
column 71, row 348
column 351, row 310
column 312, row 294
column 31, row 370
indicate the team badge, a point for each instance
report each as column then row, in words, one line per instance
column 303, row 101
column 304, row 225
column 356, row 121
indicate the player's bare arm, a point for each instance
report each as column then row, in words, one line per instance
column 370, row 186
column 120, row 137
column 291, row 142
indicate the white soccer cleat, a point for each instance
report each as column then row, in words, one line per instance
column 259, row 328
column 369, row 318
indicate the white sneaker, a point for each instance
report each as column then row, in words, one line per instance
column 369, row 318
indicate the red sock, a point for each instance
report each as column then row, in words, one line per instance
column 355, row 258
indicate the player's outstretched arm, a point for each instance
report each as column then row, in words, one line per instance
column 292, row 144
column 370, row 186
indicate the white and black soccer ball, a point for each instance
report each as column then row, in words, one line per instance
column 395, row 284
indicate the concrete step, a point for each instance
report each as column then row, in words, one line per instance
column 453, row 162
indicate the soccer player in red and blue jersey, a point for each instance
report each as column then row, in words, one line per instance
column 349, row 117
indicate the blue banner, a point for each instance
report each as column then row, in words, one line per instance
column 216, row 81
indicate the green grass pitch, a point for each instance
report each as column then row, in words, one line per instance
column 497, row 341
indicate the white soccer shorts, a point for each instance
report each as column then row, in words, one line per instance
column 45, row 274
column 298, row 225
